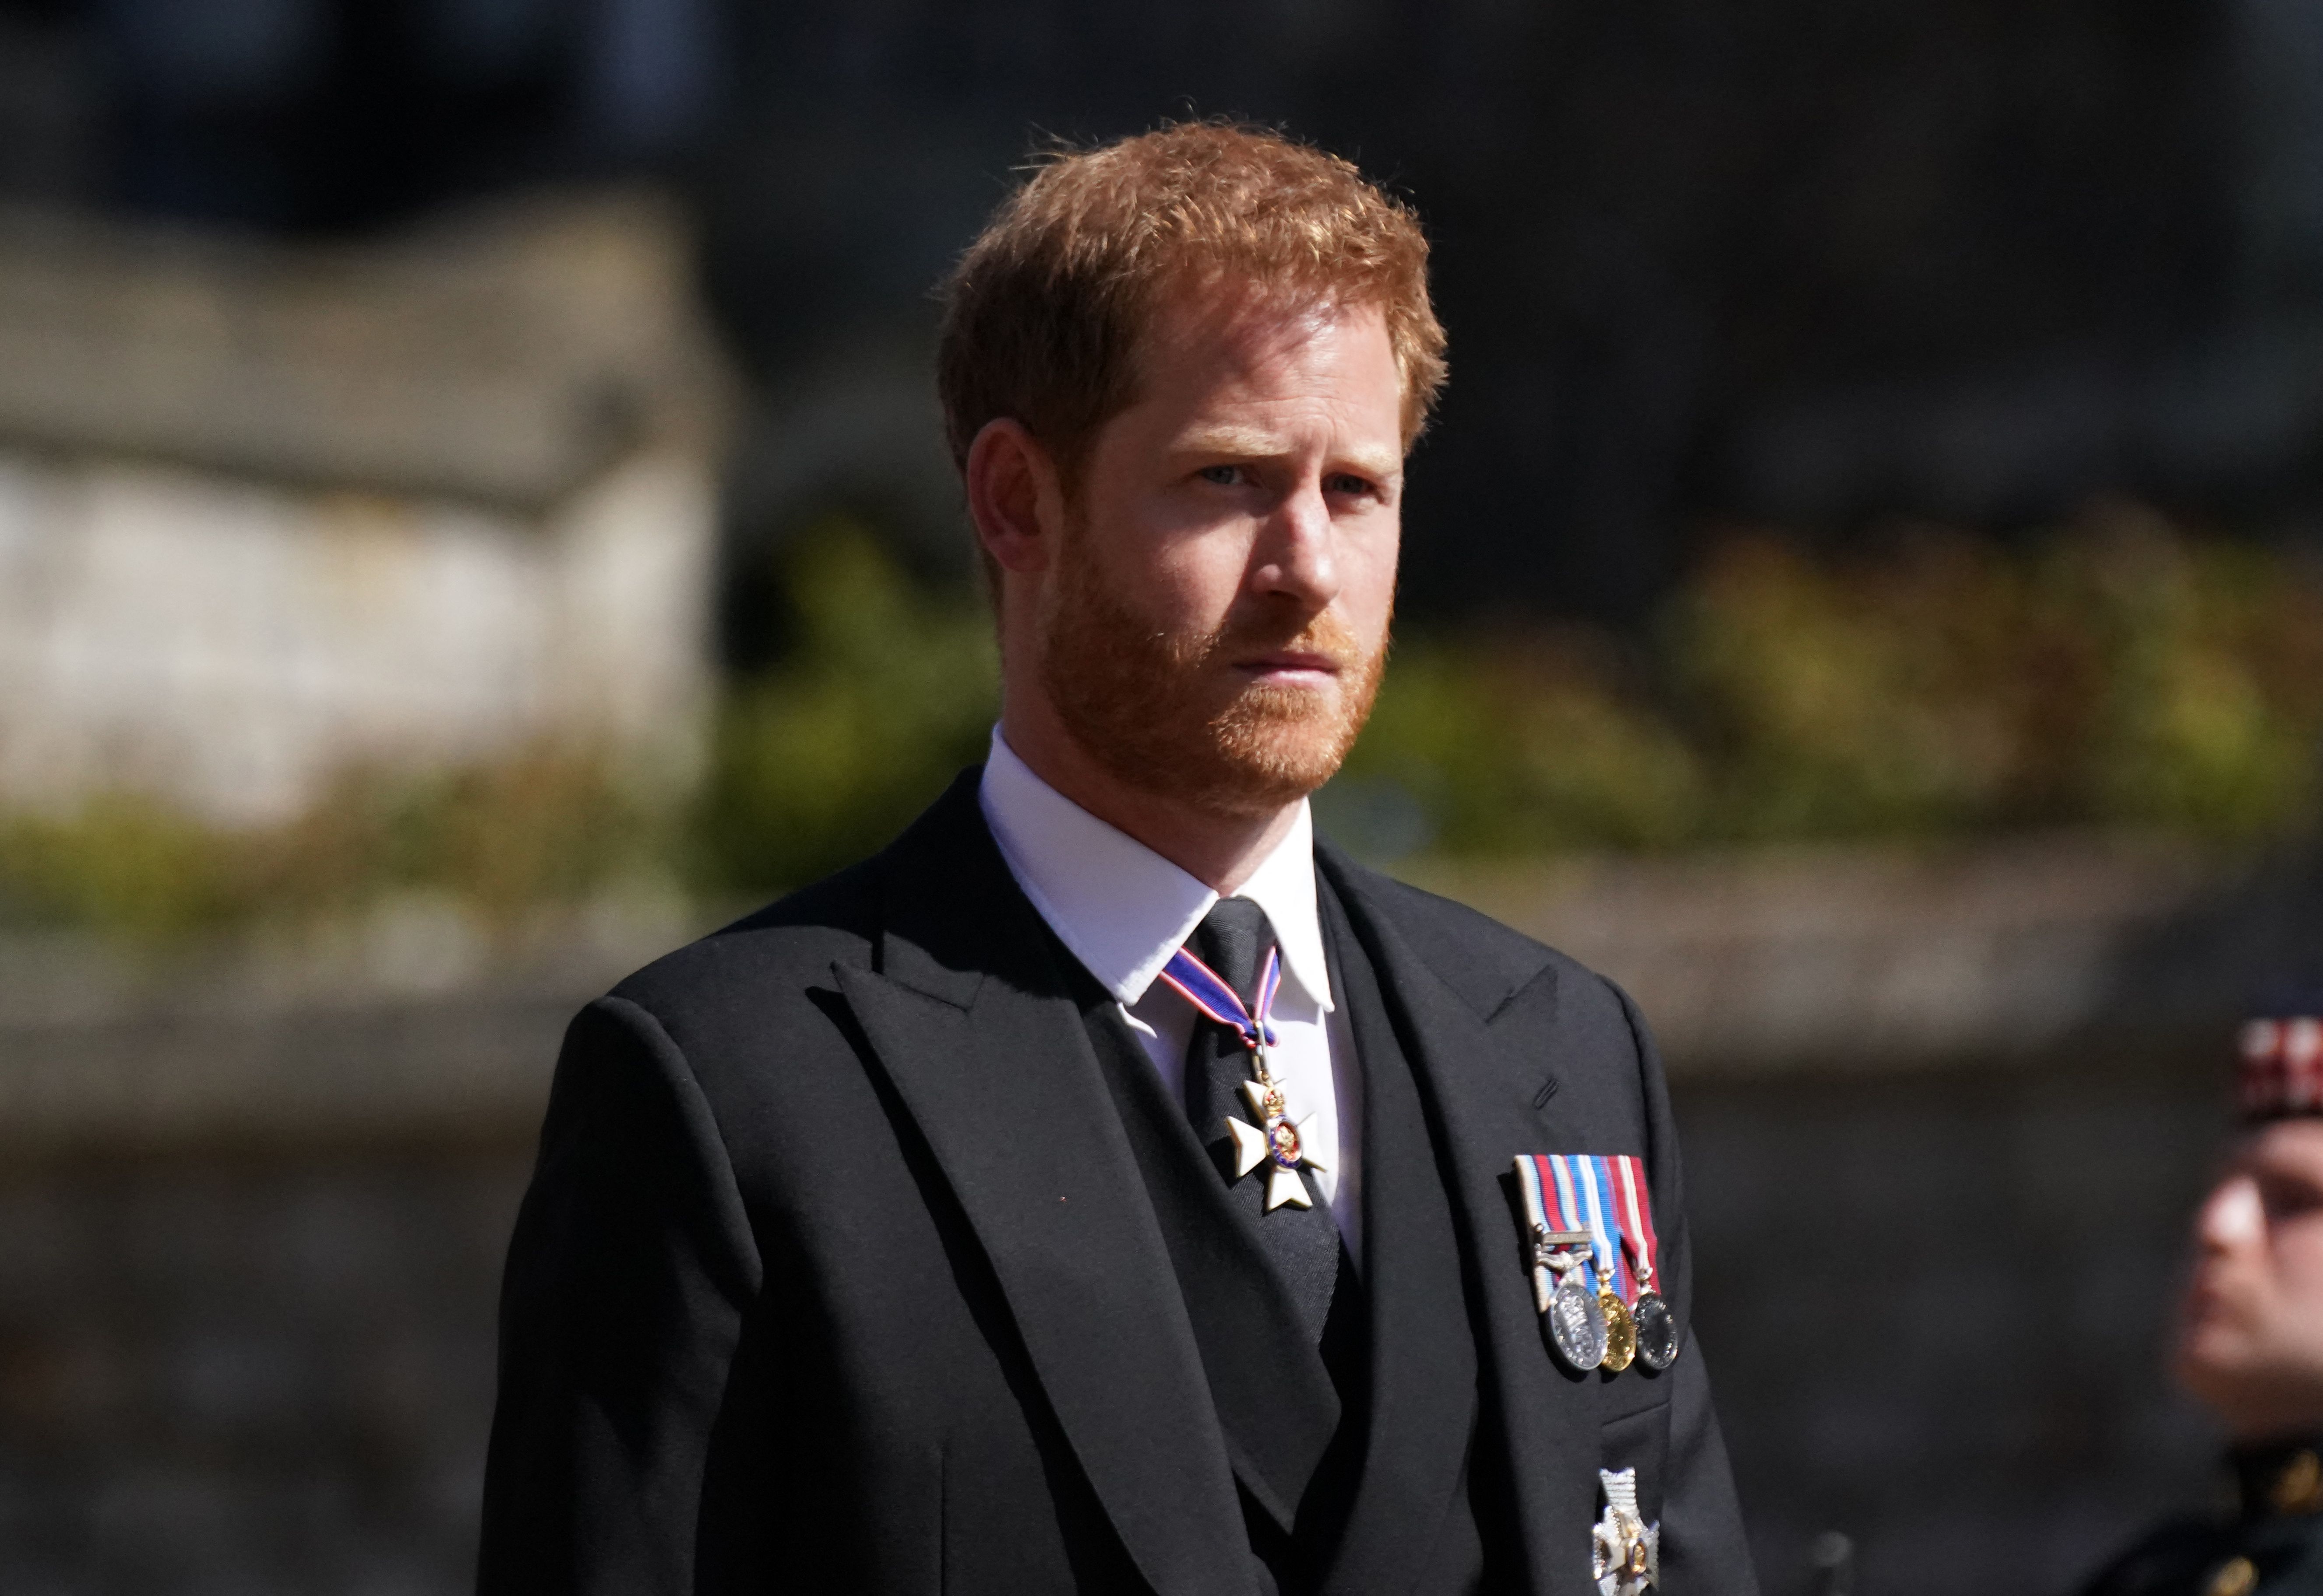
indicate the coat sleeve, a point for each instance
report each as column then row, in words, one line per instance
column 1703, row 1549
column 627, row 1277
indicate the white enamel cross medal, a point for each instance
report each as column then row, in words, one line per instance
column 1274, row 1139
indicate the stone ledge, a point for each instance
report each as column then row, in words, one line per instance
column 412, row 1025
column 1866, row 958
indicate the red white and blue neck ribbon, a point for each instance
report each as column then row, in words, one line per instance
column 1206, row 990
column 1637, row 1208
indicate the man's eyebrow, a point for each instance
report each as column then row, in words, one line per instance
column 1252, row 443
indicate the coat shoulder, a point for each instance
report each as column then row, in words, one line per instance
column 784, row 946
column 1498, row 968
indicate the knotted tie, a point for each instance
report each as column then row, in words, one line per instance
column 1302, row 1244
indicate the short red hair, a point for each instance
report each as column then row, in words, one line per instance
column 1043, row 313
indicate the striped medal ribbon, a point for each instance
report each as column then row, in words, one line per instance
column 1657, row 1326
column 1570, row 1311
column 1591, row 1171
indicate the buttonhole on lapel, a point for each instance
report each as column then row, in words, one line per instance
column 1547, row 1090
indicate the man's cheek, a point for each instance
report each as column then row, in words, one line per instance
column 2299, row 1269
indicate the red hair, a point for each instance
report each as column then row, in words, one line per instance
column 1043, row 314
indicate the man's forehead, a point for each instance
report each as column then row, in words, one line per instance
column 1250, row 319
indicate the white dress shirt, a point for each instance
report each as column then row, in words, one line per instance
column 1123, row 909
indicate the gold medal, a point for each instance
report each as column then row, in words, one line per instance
column 1620, row 1329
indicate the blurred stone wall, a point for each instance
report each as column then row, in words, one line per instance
column 248, row 1372
column 252, row 1212
column 268, row 512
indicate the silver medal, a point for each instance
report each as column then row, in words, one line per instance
column 1657, row 1330
column 1576, row 1322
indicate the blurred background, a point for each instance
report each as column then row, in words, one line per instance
column 473, row 515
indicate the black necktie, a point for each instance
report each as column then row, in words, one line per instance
column 1302, row 1244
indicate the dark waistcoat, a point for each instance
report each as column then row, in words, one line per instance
column 1315, row 1431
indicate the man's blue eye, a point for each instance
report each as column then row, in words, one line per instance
column 1223, row 475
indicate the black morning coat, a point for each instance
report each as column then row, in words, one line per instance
column 840, row 1272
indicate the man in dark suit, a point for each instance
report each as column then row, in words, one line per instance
column 1109, row 1187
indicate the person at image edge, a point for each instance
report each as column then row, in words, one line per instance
column 1110, row 1187
column 2250, row 1338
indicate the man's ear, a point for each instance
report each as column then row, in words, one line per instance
column 1014, row 496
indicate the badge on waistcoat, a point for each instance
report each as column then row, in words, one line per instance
column 1593, row 1250
column 1625, row 1552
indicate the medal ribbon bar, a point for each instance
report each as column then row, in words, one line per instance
column 1587, row 1175
column 1551, row 1216
column 1637, row 1207
column 1547, row 1208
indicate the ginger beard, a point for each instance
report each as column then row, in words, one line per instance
column 1166, row 712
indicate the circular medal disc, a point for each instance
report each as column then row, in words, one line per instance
column 1577, row 1324
column 1621, row 1332
column 1657, row 1329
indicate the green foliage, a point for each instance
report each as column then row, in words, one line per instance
column 546, row 825
column 2117, row 674
column 122, row 863
column 2114, row 675
column 542, row 826
column 888, row 694
column 1525, row 744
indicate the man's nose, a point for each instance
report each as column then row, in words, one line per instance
column 2231, row 1217
column 1295, row 556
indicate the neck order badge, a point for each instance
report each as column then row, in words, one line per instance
column 1275, row 1138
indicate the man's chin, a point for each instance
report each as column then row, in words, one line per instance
column 1244, row 772
column 1268, row 761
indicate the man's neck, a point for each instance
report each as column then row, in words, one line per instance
column 1222, row 851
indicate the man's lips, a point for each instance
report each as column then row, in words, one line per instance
column 1290, row 665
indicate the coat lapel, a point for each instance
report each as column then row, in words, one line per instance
column 1481, row 1123
column 1423, row 1349
column 975, row 1028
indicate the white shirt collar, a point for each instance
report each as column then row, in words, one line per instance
column 1122, row 908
